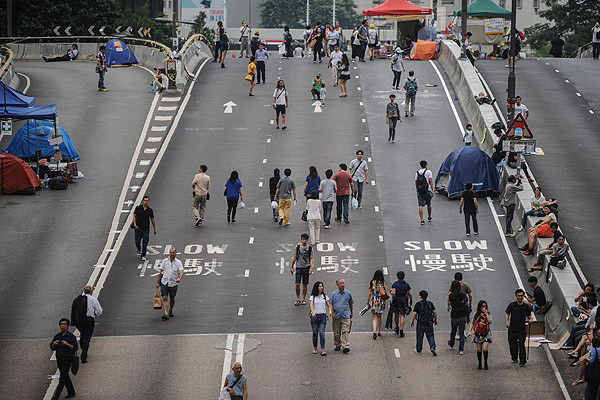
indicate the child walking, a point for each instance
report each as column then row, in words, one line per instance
column 251, row 74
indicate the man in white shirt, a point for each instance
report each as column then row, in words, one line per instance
column 425, row 188
column 200, row 186
column 244, row 39
column 521, row 108
column 171, row 272
column 87, row 328
column 359, row 170
column 596, row 40
column 334, row 61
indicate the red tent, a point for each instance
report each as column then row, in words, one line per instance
column 16, row 176
column 396, row 8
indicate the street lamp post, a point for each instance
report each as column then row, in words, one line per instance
column 463, row 26
column 307, row 9
column 512, row 79
column 9, row 29
column 333, row 13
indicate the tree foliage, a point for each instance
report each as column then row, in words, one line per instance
column 572, row 20
column 201, row 27
column 277, row 13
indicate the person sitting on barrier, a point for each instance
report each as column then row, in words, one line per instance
column 537, row 201
column 71, row 54
column 499, row 155
column 583, row 361
column 548, row 250
column 160, row 82
column 541, row 229
column 582, row 301
column 583, row 336
column 483, row 98
column 578, row 328
column 538, row 300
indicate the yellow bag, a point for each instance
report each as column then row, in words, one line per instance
column 249, row 77
column 157, row 301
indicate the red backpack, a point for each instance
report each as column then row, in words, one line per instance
column 481, row 325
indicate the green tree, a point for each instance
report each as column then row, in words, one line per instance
column 571, row 19
column 201, row 27
column 277, row 13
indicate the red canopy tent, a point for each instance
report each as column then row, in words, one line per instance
column 401, row 9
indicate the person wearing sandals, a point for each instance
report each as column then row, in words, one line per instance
column 377, row 297
column 319, row 311
column 236, row 383
column 280, row 103
column 482, row 334
column 301, row 266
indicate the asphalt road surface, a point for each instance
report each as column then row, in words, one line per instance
column 236, row 299
column 560, row 94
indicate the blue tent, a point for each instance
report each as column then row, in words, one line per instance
column 464, row 165
column 117, row 53
column 36, row 112
column 11, row 97
column 35, row 135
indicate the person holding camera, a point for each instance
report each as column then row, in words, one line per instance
column 510, row 201
column 64, row 343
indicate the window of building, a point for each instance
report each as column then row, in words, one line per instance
column 448, row 2
column 519, row 4
column 536, row 5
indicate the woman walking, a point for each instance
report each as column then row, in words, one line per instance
column 319, row 311
column 224, row 47
column 392, row 115
column 316, row 41
column 402, row 301
column 355, row 43
column 251, row 74
column 377, row 297
column 233, row 193
column 287, row 41
column 482, row 334
column 313, row 206
column 280, row 103
column 273, row 181
column 397, row 68
column 344, row 75
column 313, row 182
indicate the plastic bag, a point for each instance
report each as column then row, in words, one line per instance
column 224, row 395
column 274, row 205
column 242, row 205
column 354, row 203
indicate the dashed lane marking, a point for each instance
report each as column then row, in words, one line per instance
column 366, row 138
column 264, row 160
column 163, row 117
column 260, row 184
column 140, row 175
column 385, row 271
column 361, row 103
column 240, row 311
column 372, row 182
column 158, row 128
column 251, row 240
column 376, row 208
column 255, row 210
column 591, row 111
column 566, row 80
column 171, row 99
column 154, row 139
column 364, row 120
column 151, row 150
column 246, row 273
column 396, row 352
column 145, row 162
column 369, row 159
column 358, row 88
column 578, row 94
column 272, row 122
column 556, row 70
column 268, row 140
column 381, row 238
column 167, row 108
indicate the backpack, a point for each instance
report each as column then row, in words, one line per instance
column 288, row 37
column 426, row 314
column 422, row 185
column 481, row 325
column 79, row 310
column 598, row 35
column 254, row 42
column 411, row 87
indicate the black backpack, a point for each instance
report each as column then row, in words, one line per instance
column 598, row 35
column 422, row 184
column 288, row 37
column 79, row 310
column 426, row 314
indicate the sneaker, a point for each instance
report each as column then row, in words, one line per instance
column 346, row 221
column 460, row 353
column 522, row 364
column 434, row 353
column 510, row 234
column 144, row 258
column 327, row 227
column 450, row 347
column 422, row 222
column 428, row 219
column 138, row 252
column 198, row 221
column 165, row 317
column 346, row 350
column 468, row 234
column 337, row 348
column 476, row 233
column 401, row 334
column 521, row 229
column 406, row 115
column 523, row 248
column 104, row 89
column 417, row 352
column 171, row 314
column 397, row 330
column 515, row 361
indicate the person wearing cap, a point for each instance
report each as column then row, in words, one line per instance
column 373, row 40
column 317, row 84
column 397, row 68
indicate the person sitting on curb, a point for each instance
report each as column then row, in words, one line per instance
column 537, row 202
column 578, row 328
column 582, row 301
column 557, row 256
column 160, row 82
column 538, row 301
column 71, row 54
column 548, row 250
column 540, row 229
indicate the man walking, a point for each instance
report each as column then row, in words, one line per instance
column 345, row 185
column 596, row 41
column 200, row 186
column 64, row 343
column 286, row 190
column 517, row 314
column 327, row 187
column 142, row 216
column 426, row 316
column 334, row 61
column 359, row 171
column 219, row 30
column 101, row 68
column 342, row 309
column 303, row 262
column 86, row 325
column 521, row 108
column 424, row 184
column 468, row 203
column 169, row 277
column 510, row 202
column 244, row 39
column 261, row 56
column 411, row 87
column 363, row 34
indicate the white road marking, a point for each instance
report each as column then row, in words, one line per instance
column 381, row 238
column 281, row 265
column 578, row 94
column 556, row 70
column 591, row 111
column 354, row 67
column 255, row 210
column 369, row 159
column 358, row 88
column 140, row 175
column 448, row 96
column 260, row 184
column 376, row 208
column 27, row 84
column 364, row 120
column 133, row 189
column 372, row 182
column 251, row 240
column 147, row 69
column 166, row 108
column 547, row 63
column 269, row 140
column 151, row 150
column 356, row 76
column 396, row 352
column 229, row 107
column 366, row 138
column 154, row 139
column 171, row 99
column 158, row 128
column 246, row 273
column 163, row 117
column 361, row 103
column 125, row 211
column 239, row 354
column 226, row 359
column 240, row 311
column 264, row 160
column 566, row 80
column 272, row 122
column 145, row 162
column 385, row 270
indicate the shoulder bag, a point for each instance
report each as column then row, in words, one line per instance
column 75, row 364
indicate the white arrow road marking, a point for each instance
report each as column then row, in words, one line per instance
column 55, row 30
column 317, row 105
column 228, row 107
column 118, row 30
column 91, row 30
column 101, row 30
column 134, row 188
column 67, row 29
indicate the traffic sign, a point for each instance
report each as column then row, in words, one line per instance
column 519, row 145
column 6, row 127
column 519, row 128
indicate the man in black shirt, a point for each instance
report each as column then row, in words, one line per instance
column 468, row 203
column 65, row 345
column 517, row 314
column 142, row 216
column 538, row 300
column 426, row 316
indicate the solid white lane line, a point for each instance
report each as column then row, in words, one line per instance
column 167, row 108
column 251, row 240
column 396, row 352
column 147, row 69
column 241, row 312
column 163, row 117
column 563, row 388
column 376, row 208
column 159, row 128
column 239, row 353
column 227, row 359
column 246, row 273
column 171, row 99
column 28, row 84
column 460, row 128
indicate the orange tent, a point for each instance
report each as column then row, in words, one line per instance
column 424, row 50
column 16, row 176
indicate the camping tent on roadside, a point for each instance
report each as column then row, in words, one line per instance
column 398, row 9
column 117, row 53
column 35, row 135
column 467, row 164
column 16, row 176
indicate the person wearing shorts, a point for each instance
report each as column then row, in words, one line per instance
column 424, row 195
column 280, row 103
column 302, row 266
column 170, row 274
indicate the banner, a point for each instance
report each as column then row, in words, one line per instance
column 493, row 26
column 215, row 11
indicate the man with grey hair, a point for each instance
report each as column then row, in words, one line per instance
column 87, row 327
column 342, row 308
column 170, row 274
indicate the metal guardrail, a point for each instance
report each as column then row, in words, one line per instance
column 6, row 63
column 85, row 39
column 193, row 39
column 580, row 50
